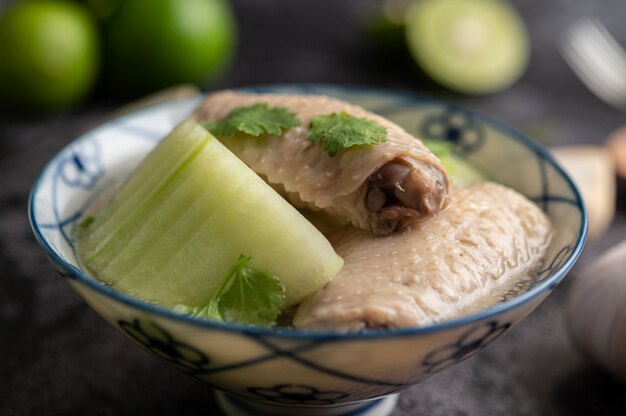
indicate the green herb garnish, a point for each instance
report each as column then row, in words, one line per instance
column 255, row 120
column 340, row 131
column 246, row 296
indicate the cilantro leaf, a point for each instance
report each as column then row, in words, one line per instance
column 255, row 297
column 255, row 120
column 339, row 131
column 246, row 296
column 209, row 311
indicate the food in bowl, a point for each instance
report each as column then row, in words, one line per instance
column 332, row 371
column 415, row 250
column 459, row 262
column 377, row 187
column 184, row 217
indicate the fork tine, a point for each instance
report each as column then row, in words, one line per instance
column 600, row 88
column 609, row 54
column 611, row 44
column 598, row 60
column 589, row 75
column 577, row 52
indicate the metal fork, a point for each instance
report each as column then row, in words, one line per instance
column 598, row 60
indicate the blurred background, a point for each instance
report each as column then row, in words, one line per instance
column 66, row 66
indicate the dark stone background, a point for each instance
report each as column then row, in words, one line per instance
column 59, row 357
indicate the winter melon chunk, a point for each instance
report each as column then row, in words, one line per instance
column 184, row 217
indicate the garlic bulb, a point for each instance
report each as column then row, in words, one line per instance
column 596, row 311
column 593, row 169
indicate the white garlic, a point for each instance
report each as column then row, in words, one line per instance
column 596, row 311
column 593, row 169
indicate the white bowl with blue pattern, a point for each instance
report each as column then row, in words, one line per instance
column 284, row 370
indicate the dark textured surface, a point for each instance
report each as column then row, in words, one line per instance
column 59, row 357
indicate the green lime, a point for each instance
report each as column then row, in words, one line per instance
column 472, row 46
column 152, row 44
column 49, row 54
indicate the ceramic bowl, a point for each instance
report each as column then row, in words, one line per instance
column 284, row 370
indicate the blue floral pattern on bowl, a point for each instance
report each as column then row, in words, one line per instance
column 472, row 341
column 159, row 342
column 83, row 166
column 457, row 126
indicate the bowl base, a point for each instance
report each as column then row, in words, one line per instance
column 236, row 406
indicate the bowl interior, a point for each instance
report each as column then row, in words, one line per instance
column 90, row 164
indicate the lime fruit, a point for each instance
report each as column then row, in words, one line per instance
column 471, row 46
column 151, row 44
column 49, row 54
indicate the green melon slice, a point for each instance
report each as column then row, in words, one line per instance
column 186, row 214
column 472, row 46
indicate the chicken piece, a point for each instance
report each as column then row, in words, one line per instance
column 378, row 188
column 460, row 261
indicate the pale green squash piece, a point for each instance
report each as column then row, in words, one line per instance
column 186, row 214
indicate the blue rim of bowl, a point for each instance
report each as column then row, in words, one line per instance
column 328, row 335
